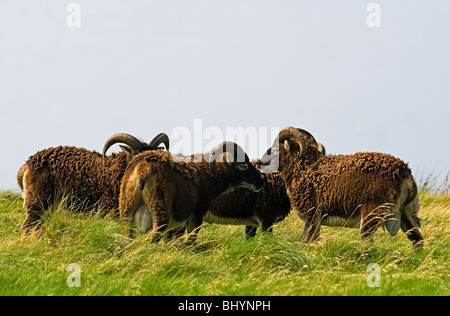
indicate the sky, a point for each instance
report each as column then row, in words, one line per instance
column 145, row 67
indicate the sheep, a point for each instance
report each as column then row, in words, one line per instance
column 163, row 192
column 363, row 190
column 84, row 176
column 262, row 209
column 252, row 209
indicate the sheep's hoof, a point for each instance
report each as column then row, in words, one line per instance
column 418, row 245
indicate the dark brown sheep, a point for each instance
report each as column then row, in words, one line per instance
column 261, row 209
column 84, row 176
column 364, row 190
column 252, row 209
column 163, row 192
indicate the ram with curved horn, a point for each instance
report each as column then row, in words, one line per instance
column 84, row 176
column 365, row 190
column 254, row 209
column 164, row 193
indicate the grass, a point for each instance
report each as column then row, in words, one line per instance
column 221, row 262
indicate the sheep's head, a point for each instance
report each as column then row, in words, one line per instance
column 133, row 146
column 291, row 143
column 242, row 173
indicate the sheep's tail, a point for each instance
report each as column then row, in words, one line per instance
column 20, row 176
column 131, row 193
column 144, row 174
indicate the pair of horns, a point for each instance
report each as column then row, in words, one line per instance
column 301, row 137
column 236, row 151
column 135, row 144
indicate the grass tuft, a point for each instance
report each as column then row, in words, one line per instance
column 221, row 261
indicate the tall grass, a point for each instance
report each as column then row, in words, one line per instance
column 432, row 182
column 221, row 262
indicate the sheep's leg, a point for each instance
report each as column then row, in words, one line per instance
column 193, row 226
column 129, row 229
column 410, row 224
column 160, row 223
column 175, row 233
column 193, row 232
column 412, row 232
column 128, row 207
column 31, row 223
column 35, row 208
column 312, row 225
column 371, row 218
column 37, row 197
column 266, row 227
column 128, row 218
column 158, row 231
column 250, row 231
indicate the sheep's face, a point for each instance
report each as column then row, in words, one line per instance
column 270, row 161
column 274, row 158
column 241, row 173
column 245, row 175
column 291, row 145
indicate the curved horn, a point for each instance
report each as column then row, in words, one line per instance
column 321, row 148
column 124, row 138
column 237, row 152
column 296, row 135
column 161, row 138
column 310, row 140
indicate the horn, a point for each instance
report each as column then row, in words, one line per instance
column 161, row 138
column 310, row 140
column 296, row 135
column 124, row 138
column 224, row 147
column 321, row 148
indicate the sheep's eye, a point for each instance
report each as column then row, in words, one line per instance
column 243, row 167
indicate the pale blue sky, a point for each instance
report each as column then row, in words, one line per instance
column 149, row 66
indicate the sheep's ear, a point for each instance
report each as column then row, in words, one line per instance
column 127, row 150
column 287, row 147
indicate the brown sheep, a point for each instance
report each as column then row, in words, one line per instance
column 254, row 209
column 163, row 192
column 84, row 176
column 364, row 190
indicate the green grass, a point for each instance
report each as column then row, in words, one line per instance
column 221, row 262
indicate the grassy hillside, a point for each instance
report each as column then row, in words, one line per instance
column 221, row 262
